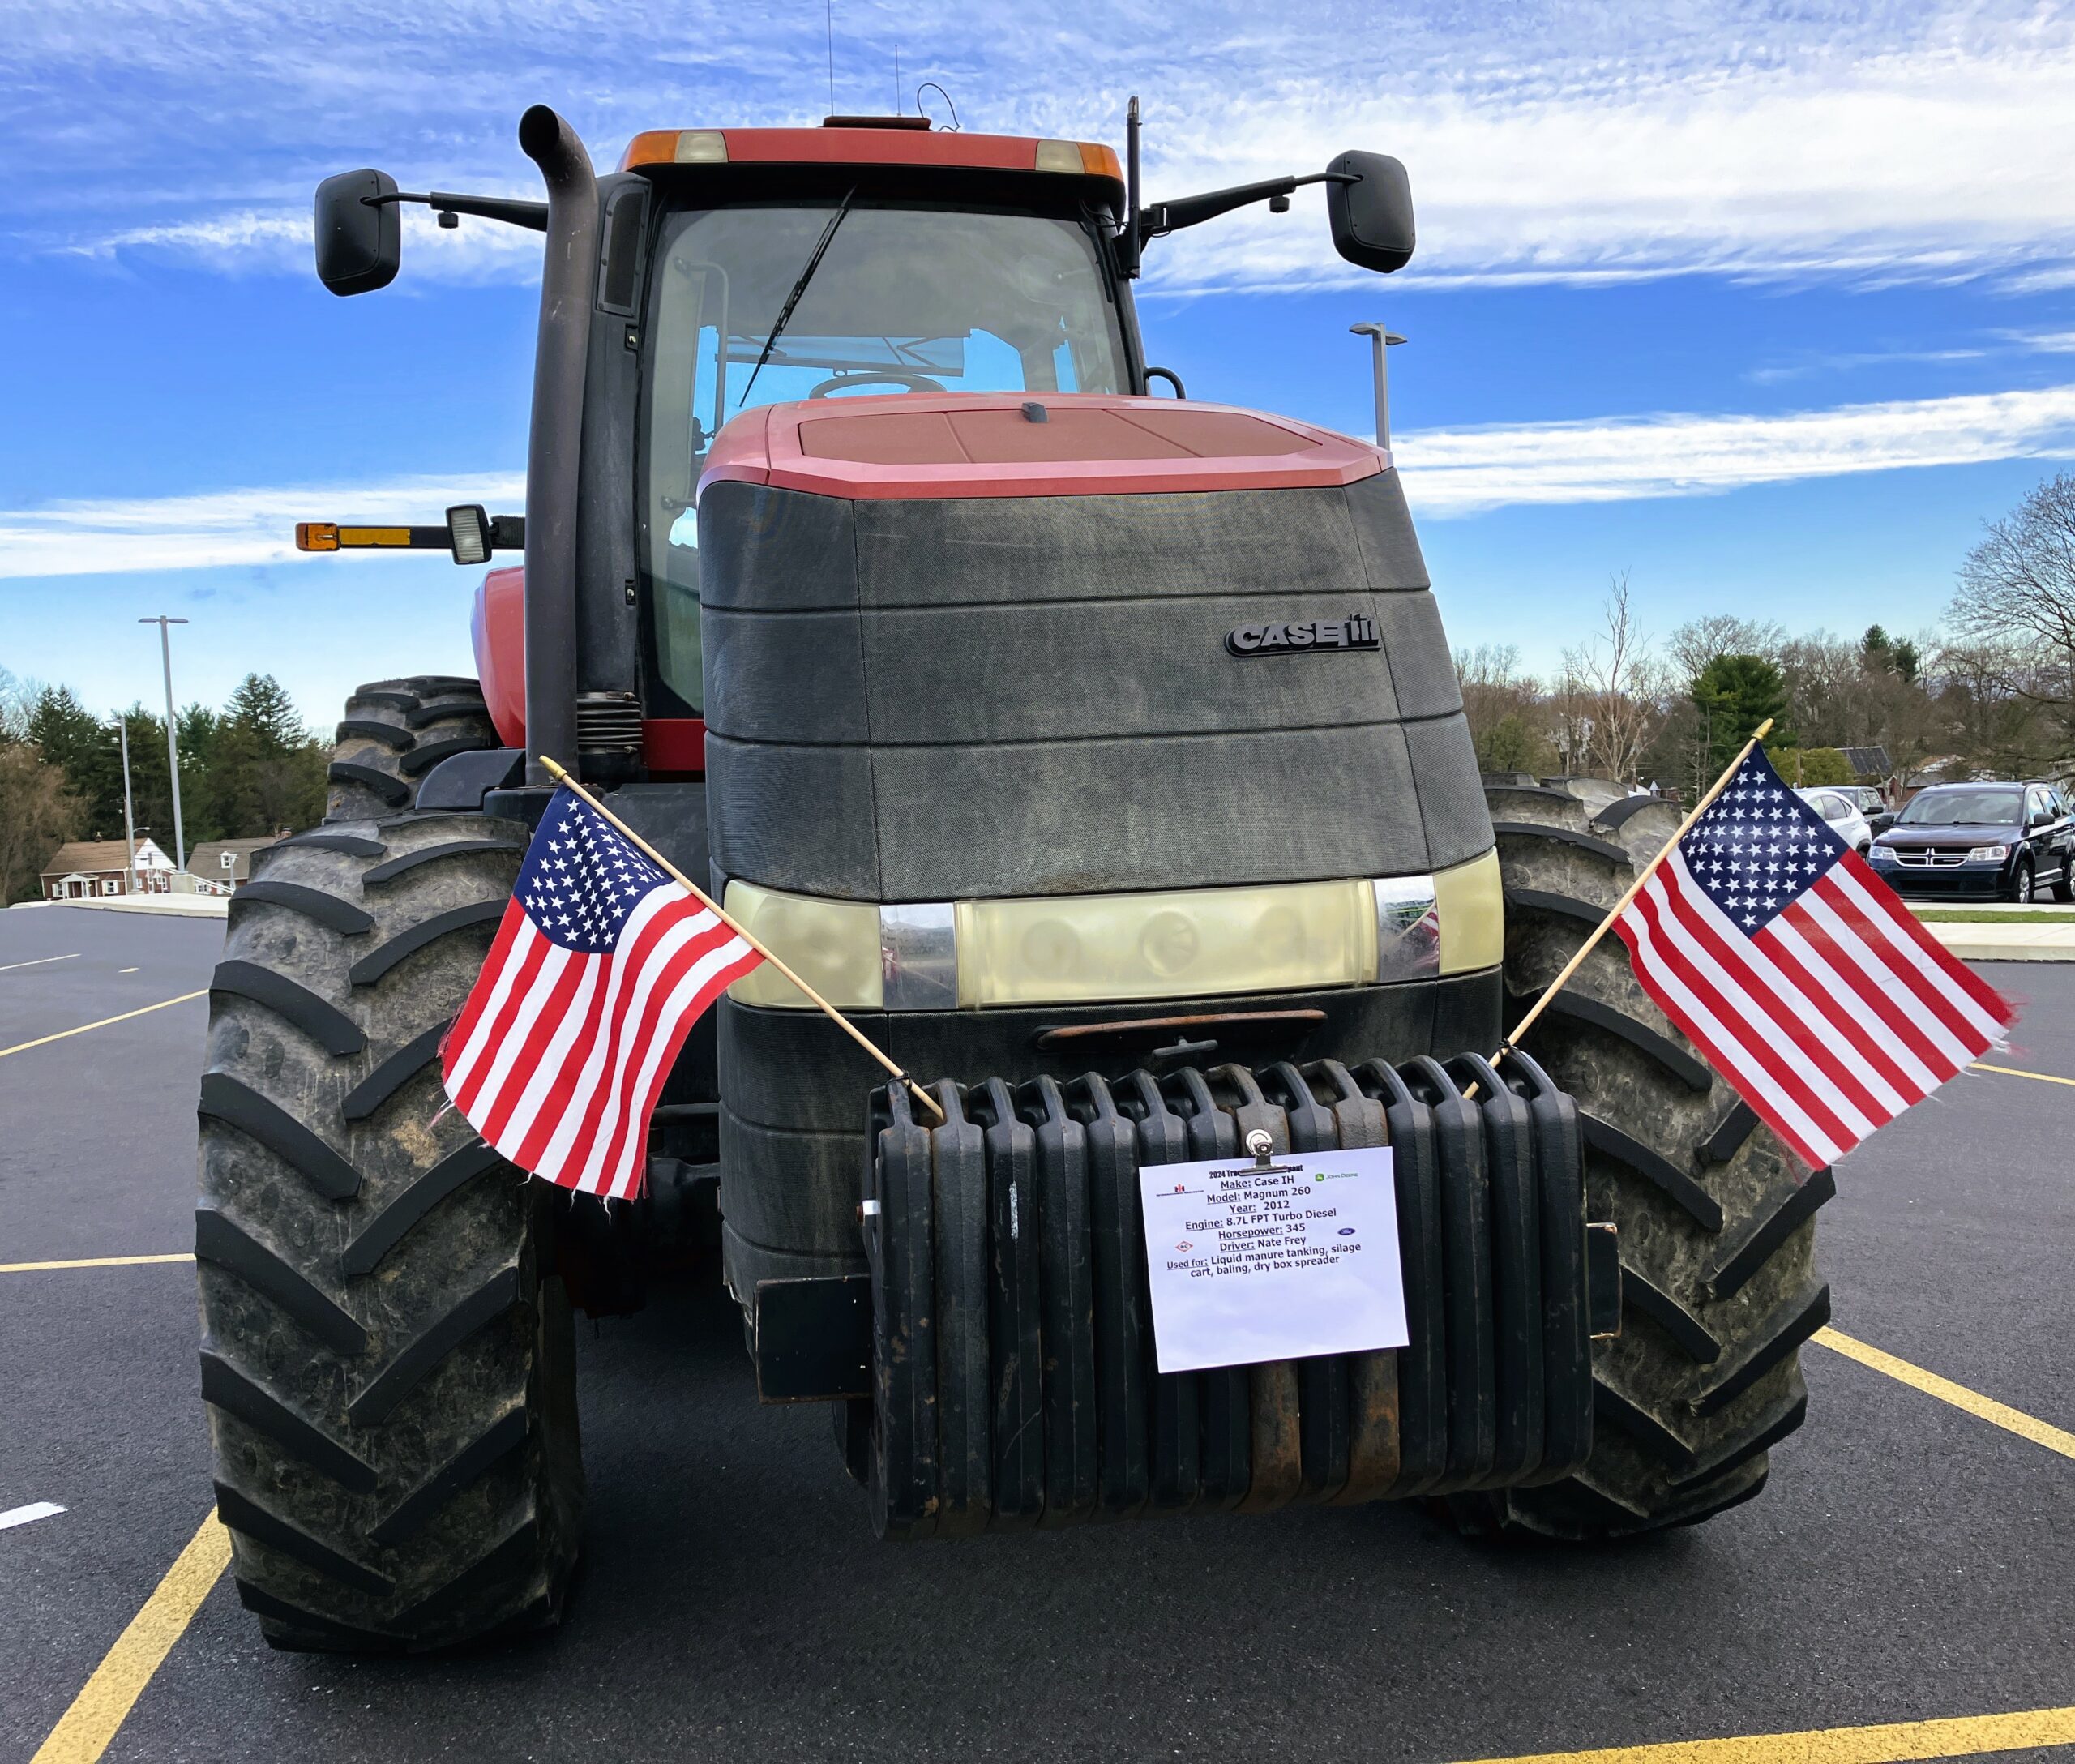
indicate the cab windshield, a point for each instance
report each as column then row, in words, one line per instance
column 911, row 299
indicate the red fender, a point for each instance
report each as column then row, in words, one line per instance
column 672, row 747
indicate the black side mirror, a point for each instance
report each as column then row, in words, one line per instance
column 359, row 242
column 1372, row 217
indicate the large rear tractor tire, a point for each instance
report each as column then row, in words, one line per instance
column 1715, row 1215
column 387, row 1353
column 395, row 732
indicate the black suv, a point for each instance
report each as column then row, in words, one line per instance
column 1993, row 841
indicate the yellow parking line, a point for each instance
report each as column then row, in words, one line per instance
column 44, row 1041
column 2012, row 1072
column 91, row 1261
column 1960, row 1737
column 104, row 1701
column 1984, row 1408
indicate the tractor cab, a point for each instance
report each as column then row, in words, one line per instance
column 786, row 265
column 721, row 271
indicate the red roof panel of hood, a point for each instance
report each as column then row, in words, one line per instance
column 988, row 444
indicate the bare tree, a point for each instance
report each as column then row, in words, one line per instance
column 1505, row 708
column 1612, row 697
column 1982, row 716
column 1697, row 642
column 2016, row 601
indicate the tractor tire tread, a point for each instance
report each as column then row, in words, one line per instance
column 220, row 1240
column 323, row 1023
column 1701, row 1387
column 396, row 731
column 387, row 1358
column 366, row 1098
column 378, row 961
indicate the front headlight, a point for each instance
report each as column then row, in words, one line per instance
column 1062, row 949
column 1988, row 853
column 1882, row 854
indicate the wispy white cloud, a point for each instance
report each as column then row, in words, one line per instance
column 1548, row 141
column 1448, row 472
column 1847, row 360
column 218, row 527
column 1456, row 472
column 2043, row 342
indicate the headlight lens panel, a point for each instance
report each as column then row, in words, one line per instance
column 1062, row 949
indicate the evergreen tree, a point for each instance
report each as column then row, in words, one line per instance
column 1733, row 694
column 1879, row 653
column 265, row 772
column 70, row 737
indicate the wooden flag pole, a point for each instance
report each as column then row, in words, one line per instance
column 1620, row 906
column 560, row 774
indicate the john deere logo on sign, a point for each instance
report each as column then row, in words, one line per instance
column 1357, row 630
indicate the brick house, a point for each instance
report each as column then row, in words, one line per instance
column 91, row 869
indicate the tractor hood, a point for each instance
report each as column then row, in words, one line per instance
column 979, row 646
column 966, row 444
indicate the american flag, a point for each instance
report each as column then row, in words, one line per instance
column 1799, row 974
column 601, row 966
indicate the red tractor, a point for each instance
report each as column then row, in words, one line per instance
column 1102, row 754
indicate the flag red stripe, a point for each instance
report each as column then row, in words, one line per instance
column 547, row 1106
column 1890, row 977
column 1949, row 1014
column 1836, row 978
column 1739, row 1018
column 628, row 1020
column 1849, row 957
column 1984, row 1009
column 1784, row 1016
column 479, row 996
column 575, row 1097
column 1663, row 977
column 476, row 1071
column 556, row 1004
column 1801, row 967
column 595, row 1164
column 680, row 1000
column 1662, row 984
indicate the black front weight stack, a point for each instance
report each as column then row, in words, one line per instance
column 1012, row 1379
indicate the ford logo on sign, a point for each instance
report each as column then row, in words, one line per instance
column 1347, row 1230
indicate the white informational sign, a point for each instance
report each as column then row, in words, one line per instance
column 1250, row 1264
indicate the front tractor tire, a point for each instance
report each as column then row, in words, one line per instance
column 1715, row 1216
column 387, row 1352
column 394, row 733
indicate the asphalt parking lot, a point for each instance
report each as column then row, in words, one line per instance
column 1912, row 1561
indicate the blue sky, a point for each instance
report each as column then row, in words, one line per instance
column 1770, row 307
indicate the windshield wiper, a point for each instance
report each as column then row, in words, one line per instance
column 799, row 288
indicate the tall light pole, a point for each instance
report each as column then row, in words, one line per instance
column 1380, row 340
column 172, row 733
column 129, row 814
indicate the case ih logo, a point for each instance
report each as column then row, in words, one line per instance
column 1356, row 631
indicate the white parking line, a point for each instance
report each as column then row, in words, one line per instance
column 36, row 1509
column 41, row 960
column 125, row 971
